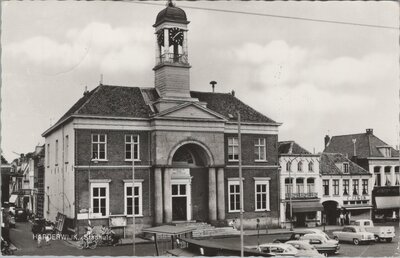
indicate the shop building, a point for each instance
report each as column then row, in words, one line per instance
column 300, row 182
column 377, row 157
column 182, row 144
column 346, row 188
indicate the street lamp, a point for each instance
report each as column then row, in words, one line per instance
column 133, row 198
column 94, row 159
column 290, row 199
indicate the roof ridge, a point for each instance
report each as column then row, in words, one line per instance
column 95, row 90
column 342, row 135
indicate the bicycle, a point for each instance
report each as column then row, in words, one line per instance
column 88, row 242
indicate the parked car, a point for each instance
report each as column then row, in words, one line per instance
column 386, row 233
column 305, row 249
column 319, row 231
column 294, row 236
column 354, row 234
column 277, row 249
column 322, row 244
column 20, row 215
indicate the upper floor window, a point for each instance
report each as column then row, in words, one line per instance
column 56, row 152
column 262, row 195
column 346, row 168
column 99, row 146
column 132, row 144
column 300, row 166
column 289, row 166
column 234, row 195
column 288, row 185
column 233, row 146
column 300, row 185
column 260, row 149
column 365, row 186
column 310, row 185
column 346, row 185
column 355, row 187
column 325, row 184
column 311, row 166
column 335, row 186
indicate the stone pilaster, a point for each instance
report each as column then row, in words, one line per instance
column 167, row 196
column 221, row 194
column 212, row 195
column 158, row 197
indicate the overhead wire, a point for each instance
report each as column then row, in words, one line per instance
column 274, row 16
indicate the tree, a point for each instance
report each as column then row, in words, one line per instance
column 3, row 160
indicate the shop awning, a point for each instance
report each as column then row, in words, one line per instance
column 387, row 202
column 307, row 206
column 13, row 198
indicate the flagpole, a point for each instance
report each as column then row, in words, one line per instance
column 240, row 186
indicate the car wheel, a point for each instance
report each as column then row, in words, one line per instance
column 388, row 240
column 377, row 239
column 356, row 241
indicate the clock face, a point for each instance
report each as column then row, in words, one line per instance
column 175, row 36
column 160, row 37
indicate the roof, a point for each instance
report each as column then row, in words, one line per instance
column 124, row 102
column 366, row 145
column 291, row 147
column 171, row 14
column 329, row 161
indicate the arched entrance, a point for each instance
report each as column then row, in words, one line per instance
column 189, row 167
column 331, row 212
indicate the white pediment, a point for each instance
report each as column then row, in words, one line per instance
column 191, row 111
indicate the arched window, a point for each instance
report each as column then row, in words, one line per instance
column 300, row 166
column 387, row 176
column 377, row 175
column 311, row 166
column 289, row 166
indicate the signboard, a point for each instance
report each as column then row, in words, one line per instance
column 356, row 198
column 60, row 219
column 117, row 221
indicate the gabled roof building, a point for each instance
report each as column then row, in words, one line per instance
column 382, row 162
column 183, row 145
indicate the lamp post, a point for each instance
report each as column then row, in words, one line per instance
column 133, row 199
column 290, row 200
column 240, row 186
column 94, row 159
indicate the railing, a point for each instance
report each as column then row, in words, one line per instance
column 302, row 195
column 171, row 58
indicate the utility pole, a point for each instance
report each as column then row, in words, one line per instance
column 133, row 199
column 240, row 186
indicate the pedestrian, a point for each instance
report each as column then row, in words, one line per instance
column 39, row 240
column 341, row 217
column 348, row 217
column 47, row 238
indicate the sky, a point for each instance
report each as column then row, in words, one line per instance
column 315, row 78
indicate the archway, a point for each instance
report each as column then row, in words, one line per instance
column 331, row 212
column 189, row 163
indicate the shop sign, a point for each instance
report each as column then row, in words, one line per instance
column 356, row 198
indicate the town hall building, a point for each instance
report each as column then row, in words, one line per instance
column 181, row 144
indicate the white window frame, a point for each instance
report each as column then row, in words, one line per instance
column 56, row 159
column 66, row 148
column 48, row 154
column 98, row 149
column 336, row 187
column 107, row 197
column 235, row 148
column 138, row 183
column 137, row 142
column 262, row 181
column 233, row 182
column 261, row 146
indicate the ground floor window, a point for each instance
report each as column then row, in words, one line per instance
column 262, row 195
column 234, row 195
column 100, row 198
column 133, row 199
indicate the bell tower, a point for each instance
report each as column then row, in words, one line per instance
column 172, row 78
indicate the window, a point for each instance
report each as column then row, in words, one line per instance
column 234, row 196
column 311, row 166
column 335, row 186
column 346, row 185
column 66, row 148
column 346, row 168
column 262, row 195
column 387, row 176
column 365, row 186
column 397, row 175
column 300, row 185
column 56, row 152
column 310, row 185
column 289, row 166
column 288, row 186
column 355, row 186
column 233, row 149
column 99, row 146
column 260, row 149
column 300, row 166
column 136, row 195
column 129, row 141
column 377, row 171
column 100, row 194
column 48, row 155
column 325, row 184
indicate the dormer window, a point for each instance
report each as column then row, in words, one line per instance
column 385, row 151
column 346, row 168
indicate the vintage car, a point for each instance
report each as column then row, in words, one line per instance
column 386, row 233
column 354, row 234
column 319, row 231
column 276, row 249
column 321, row 243
column 294, row 236
column 305, row 249
column 20, row 215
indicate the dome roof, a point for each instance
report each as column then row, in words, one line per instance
column 172, row 14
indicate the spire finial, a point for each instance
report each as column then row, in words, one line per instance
column 170, row 3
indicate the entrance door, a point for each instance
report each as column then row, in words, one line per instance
column 179, row 202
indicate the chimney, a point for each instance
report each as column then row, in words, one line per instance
column 370, row 131
column 213, row 85
column 327, row 139
column 354, row 158
column 233, row 93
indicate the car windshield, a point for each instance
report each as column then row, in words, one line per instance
column 361, row 230
column 290, row 249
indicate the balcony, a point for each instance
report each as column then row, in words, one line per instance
column 171, row 58
column 302, row 195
